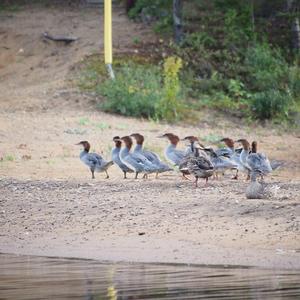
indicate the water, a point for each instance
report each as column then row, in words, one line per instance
column 25, row 277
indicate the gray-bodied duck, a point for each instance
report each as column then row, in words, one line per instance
column 93, row 160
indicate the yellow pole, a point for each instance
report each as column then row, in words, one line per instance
column 108, row 36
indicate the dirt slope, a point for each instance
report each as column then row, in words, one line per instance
column 33, row 69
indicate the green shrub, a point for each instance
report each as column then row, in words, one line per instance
column 294, row 81
column 135, row 91
column 269, row 82
column 169, row 107
column 155, row 8
column 144, row 91
column 271, row 104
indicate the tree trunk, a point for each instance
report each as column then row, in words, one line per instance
column 295, row 26
column 177, row 20
column 296, row 34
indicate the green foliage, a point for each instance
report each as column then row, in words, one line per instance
column 9, row 8
column 135, row 91
column 270, row 104
column 9, row 158
column 270, row 82
column 144, row 91
column 83, row 121
column 294, row 81
column 155, row 8
column 169, row 107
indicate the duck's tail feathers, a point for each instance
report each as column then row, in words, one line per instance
column 275, row 164
column 108, row 164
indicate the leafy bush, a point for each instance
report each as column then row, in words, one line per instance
column 270, row 104
column 135, row 91
column 294, row 82
column 269, row 81
column 144, row 91
column 169, row 107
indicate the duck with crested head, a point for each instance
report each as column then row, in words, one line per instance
column 93, row 160
column 234, row 155
column 115, row 154
column 258, row 163
column 173, row 155
column 246, row 150
column 135, row 161
column 151, row 156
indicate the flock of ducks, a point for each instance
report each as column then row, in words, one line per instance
column 197, row 160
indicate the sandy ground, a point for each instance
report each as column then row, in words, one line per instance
column 49, row 205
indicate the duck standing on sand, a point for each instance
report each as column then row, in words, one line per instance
column 220, row 162
column 199, row 166
column 151, row 156
column 135, row 161
column 244, row 155
column 173, row 155
column 258, row 163
column 190, row 152
column 115, row 155
column 234, row 155
column 93, row 160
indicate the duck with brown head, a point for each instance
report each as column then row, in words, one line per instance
column 93, row 160
column 151, row 156
column 115, row 155
column 258, row 163
column 135, row 161
column 173, row 155
column 244, row 155
column 233, row 154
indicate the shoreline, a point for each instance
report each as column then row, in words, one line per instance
column 262, row 260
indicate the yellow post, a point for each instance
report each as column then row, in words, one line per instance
column 108, row 36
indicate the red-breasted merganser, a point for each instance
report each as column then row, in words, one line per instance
column 234, row 155
column 244, row 155
column 221, row 163
column 258, row 162
column 173, row 155
column 93, row 160
column 115, row 155
column 151, row 156
column 135, row 161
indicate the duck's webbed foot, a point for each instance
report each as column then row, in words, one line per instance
column 206, row 182
column 184, row 176
column 235, row 177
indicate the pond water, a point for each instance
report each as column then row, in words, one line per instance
column 28, row 277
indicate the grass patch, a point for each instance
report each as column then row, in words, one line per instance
column 83, row 121
column 8, row 157
column 9, row 8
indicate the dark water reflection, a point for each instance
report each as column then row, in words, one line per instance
column 25, row 277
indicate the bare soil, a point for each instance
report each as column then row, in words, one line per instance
column 49, row 205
